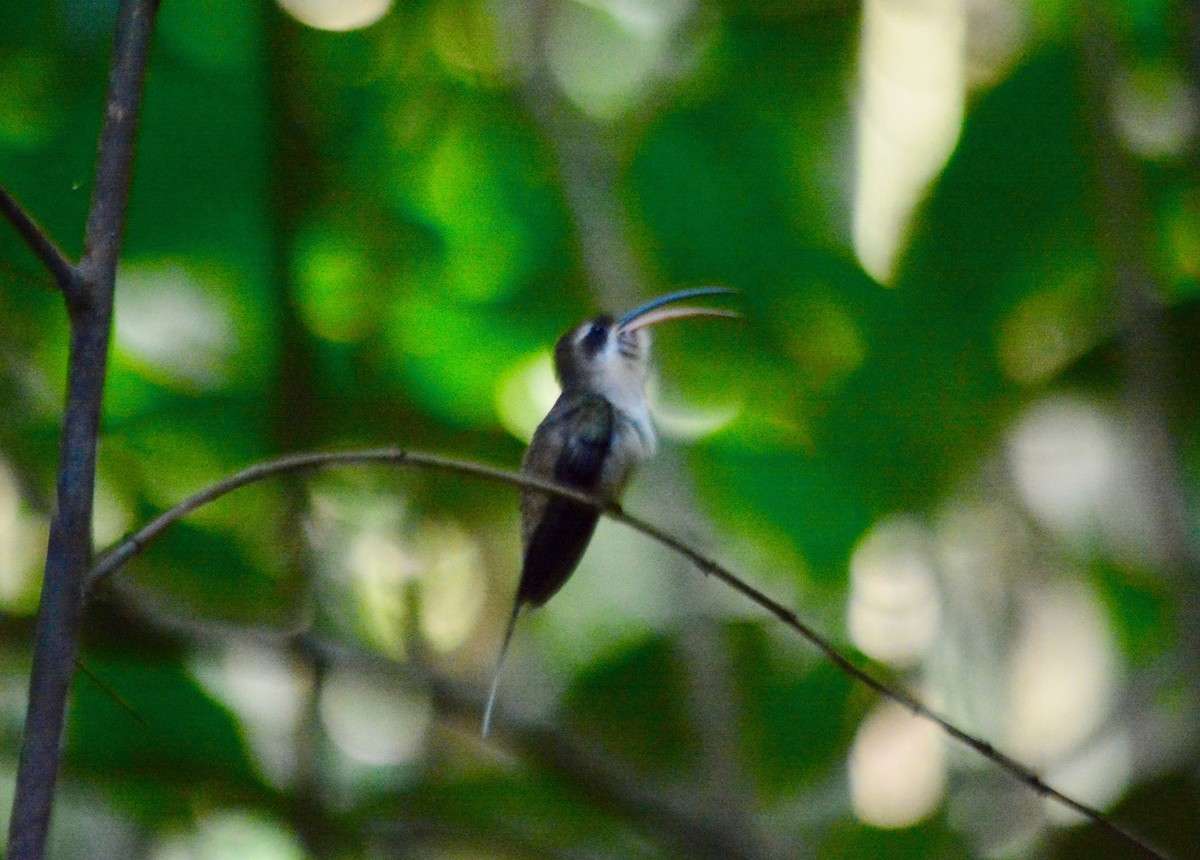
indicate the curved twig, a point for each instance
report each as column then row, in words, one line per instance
column 112, row 559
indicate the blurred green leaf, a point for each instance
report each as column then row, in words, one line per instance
column 211, row 574
column 611, row 700
column 931, row 841
column 797, row 716
column 163, row 732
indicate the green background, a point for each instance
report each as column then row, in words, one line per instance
column 370, row 238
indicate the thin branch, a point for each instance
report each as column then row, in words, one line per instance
column 69, row 552
column 119, row 700
column 112, row 559
column 60, row 267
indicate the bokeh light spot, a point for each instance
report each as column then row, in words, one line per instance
column 452, row 585
column 339, row 15
column 894, row 610
column 331, row 273
column 373, row 720
column 525, row 394
column 677, row 419
column 897, row 768
column 22, row 543
column 1050, row 327
column 267, row 693
column 1155, row 110
column 911, row 97
column 232, row 835
column 1064, row 669
column 466, row 37
column 1080, row 470
column 381, row 568
column 174, row 327
column 605, row 55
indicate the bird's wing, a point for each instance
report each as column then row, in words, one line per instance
column 570, row 447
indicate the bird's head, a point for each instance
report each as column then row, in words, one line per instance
column 611, row 356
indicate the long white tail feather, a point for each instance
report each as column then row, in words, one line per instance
column 491, row 699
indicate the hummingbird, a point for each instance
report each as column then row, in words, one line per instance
column 598, row 432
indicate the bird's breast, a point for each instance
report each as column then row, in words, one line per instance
column 632, row 444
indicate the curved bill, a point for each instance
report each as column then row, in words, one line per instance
column 654, row 312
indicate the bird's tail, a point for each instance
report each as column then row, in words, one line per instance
column 491, row 699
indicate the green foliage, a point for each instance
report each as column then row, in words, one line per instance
column 646, row 680
column 373, row 237
column 164, row 732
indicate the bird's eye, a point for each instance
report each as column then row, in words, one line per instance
column 595, row 338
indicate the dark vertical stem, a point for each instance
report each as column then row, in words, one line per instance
column 1190, row 14
column 295, row 185
column 1124, row 226
column 590, row 161
column 68, row 556
column 114, row 160
column 295, row 174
